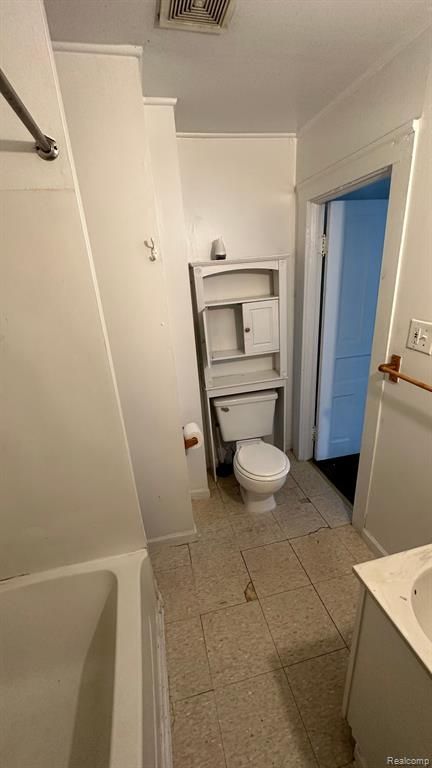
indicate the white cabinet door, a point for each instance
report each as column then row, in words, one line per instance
column 261, row 326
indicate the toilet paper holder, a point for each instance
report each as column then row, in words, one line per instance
column 192, row 436
column 189, row 442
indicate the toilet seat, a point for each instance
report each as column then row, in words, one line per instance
column 261, row 461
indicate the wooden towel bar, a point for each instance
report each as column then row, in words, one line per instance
column 393, row 370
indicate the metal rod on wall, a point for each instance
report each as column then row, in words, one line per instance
column 393, row 370
column 45, row 147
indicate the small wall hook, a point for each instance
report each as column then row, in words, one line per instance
column 150, row 244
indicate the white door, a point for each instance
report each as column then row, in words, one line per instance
column 355, row 232
column 261, row 326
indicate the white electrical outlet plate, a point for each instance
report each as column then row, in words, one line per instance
column 420, row 336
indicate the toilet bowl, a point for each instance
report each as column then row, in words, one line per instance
column 261, row 470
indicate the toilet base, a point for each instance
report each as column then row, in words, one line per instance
column 257, row 502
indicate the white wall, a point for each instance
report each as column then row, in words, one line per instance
column 400, row 506
column 160, row 122
column 104, row 108
column 241, row 188
column 365, row 113
column 400, row 501
column 67, row 491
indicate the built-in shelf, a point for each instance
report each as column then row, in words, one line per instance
column 241, row 316
column 241, row 300
column 241, row 379
column 249, row 327
column 227, row 354
column 221, row 264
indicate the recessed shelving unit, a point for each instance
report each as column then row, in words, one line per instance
column 241, row 316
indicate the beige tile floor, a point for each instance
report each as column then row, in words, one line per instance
column 259, row 613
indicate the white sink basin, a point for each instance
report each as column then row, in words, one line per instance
column 421, row 598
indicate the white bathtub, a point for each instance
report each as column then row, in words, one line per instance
column 82, row 668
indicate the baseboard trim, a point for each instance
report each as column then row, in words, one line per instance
column 373, row 543
column 200, row 493
column 175, row 538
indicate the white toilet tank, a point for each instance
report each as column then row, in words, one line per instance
column 244, row 416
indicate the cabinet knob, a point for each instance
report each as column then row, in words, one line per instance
column 247, row 330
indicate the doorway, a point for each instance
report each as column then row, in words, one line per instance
column 393, row 153
column 353, row 242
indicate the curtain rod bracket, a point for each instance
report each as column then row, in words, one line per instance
column 45, row 147
column 48, row 154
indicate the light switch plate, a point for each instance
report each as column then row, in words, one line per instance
column 420, row 336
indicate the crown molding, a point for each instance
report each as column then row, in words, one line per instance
column 355, row 86
column 159, row 101
column 192, row 135
column 98, row 48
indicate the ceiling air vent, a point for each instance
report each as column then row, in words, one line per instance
column 196, row 15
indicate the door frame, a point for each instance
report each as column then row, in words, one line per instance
column 393, row 153
column 328, row 319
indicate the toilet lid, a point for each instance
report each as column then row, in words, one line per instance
column 262, row 460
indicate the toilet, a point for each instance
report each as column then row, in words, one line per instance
column 260, row 468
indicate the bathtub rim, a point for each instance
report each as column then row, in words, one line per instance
column 23, row 579
column 128, row 691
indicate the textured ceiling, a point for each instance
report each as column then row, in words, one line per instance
column 278, row 64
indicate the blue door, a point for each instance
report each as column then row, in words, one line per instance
column 355, row 236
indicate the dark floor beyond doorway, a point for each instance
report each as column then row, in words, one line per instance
column 342, row 472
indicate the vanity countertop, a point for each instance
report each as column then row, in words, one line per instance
column 394, row 582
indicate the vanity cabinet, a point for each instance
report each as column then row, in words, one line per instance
column 241, row 325
column 388, row 690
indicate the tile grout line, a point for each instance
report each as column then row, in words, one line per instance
column 290, row 688
column 297, row 706
column 250, row 677
column 300, row 562
column 313, row 658
column 193, row 696
column 206, row 652
column 316, row 656
column 210, row 690
column 284, row 669
column 220, row 731
column 208, row 661
column 300, row 662
column 332, row 527
column 331, row 617
column 283, row 590
column 319, row 596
